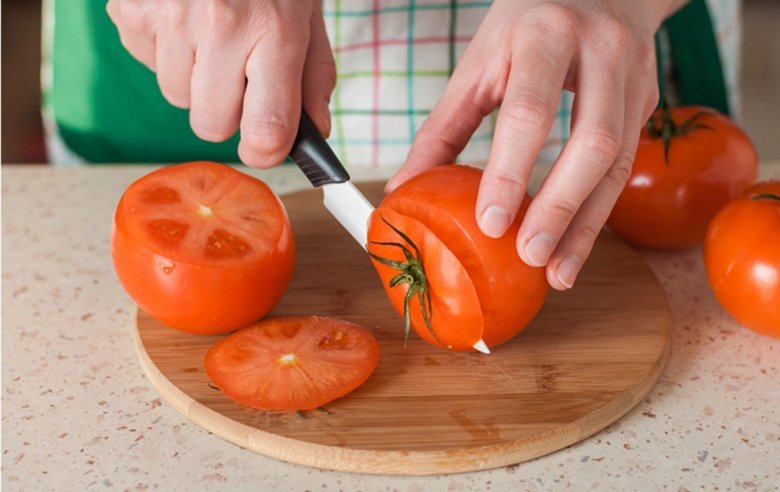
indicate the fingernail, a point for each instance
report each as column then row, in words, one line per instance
column 538, row 249
column 494, row 221
column 568, row 270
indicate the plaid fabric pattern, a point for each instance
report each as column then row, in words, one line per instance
column 394, row 58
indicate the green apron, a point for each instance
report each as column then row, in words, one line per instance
column 108, row 108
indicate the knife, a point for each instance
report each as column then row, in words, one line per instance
column 341, row 198
column 323, row 169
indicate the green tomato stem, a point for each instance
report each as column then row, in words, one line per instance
column 412, row 273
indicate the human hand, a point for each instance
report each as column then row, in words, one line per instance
column 247, row 63
column 523, row 55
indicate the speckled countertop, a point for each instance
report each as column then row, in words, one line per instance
column 78, row 413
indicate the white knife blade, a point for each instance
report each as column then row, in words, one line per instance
column 348, row 205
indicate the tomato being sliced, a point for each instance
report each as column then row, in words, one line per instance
column 202, row 247
column 435, row 263
column 742, row 257
column 292, row 363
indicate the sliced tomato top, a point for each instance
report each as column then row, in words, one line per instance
column 292, row 363
column 204, row 213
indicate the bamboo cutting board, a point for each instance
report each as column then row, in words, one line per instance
column 590, row 355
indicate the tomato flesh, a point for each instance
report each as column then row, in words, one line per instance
column 292, row 363
column 202, row 247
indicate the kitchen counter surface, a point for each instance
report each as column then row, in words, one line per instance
column 79, row 414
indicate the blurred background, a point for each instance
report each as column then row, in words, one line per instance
column 22, row 132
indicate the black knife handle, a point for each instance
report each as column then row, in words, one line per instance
column 315, row 157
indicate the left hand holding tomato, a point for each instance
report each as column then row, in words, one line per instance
column 523, row 54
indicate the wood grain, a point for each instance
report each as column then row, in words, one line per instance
column 590, row 356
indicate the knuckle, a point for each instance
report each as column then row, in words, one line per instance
column 602, row 145
column 555, row 24
column 587, row 234
column 132, row 13
column 220, row 16
column 270, row 136
column 174, row 13
column 616, row 31
column 526, row 109
column 508, row 180
column 555, row 18
column 620, row 172
column 274, row 24
column 433, row 142
column 174, row 93
column 327, row 73
column 208, row 128
column 561, row 211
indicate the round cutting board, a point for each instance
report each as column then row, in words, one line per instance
column 590, row 355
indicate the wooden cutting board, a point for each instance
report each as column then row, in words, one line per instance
column 590, row 356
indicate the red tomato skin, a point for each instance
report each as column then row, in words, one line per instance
column 509, row 291
column 742, row 258
column 669, row 206
column 201, row 298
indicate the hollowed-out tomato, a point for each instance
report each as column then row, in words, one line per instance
column 292, row 363
column 742, row 257
column 690, row 161
column 202, row 247
column 456, row 285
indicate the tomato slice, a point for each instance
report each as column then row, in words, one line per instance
column 456, row 315
column 292, row 363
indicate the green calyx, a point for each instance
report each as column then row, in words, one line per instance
column 412, row 273
column 767, row 196
column 662, row 126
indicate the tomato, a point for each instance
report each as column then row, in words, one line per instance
column 742, row 257
column 671, row 196
column 202, row 247
column 452, row 283
column 292, row 363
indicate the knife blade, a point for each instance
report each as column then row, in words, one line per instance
column 341, row 198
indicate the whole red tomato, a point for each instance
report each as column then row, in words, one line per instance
column 742, row 257
column 453, row 284
column 202, row 247
column 690, row 161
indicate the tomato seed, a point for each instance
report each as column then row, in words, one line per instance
column 162, row 195
column 168, row 231
column 336, row 339
column 224, row 244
